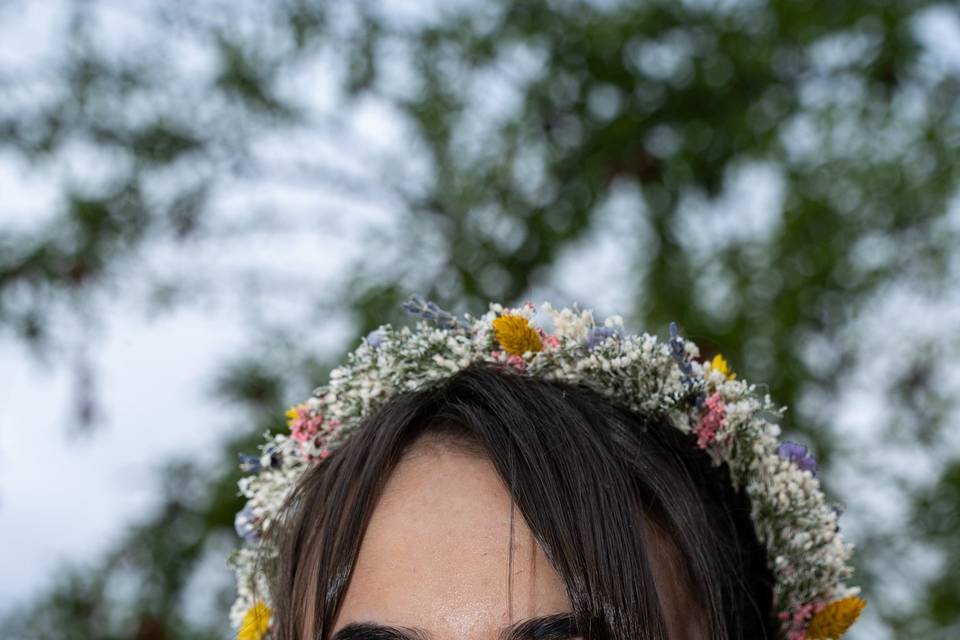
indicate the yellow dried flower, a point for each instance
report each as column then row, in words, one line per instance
column 834, row 619
column 292, row 414
column 255, row 622
column 720, row 364
column 515, row 335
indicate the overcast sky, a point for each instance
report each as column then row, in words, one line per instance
column 67, row 498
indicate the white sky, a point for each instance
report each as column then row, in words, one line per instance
column 68, row 499
column 64, row 498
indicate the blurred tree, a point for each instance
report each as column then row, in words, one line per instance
column 522, row 120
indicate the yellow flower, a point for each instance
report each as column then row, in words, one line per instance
column 255, row 622
column 835, row 618
column 293, row 414
column 720, row 364
column 515, row 335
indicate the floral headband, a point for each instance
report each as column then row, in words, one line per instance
column 791, row 517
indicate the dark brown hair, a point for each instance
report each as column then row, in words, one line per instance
column 584, row 472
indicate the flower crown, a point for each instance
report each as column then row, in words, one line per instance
column 791, row 517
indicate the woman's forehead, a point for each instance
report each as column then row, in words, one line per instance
column 436, row 553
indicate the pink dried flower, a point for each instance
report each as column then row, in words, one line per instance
column 512, row 360
column 711, row 421
column 800, row 619
column 516, row 362
column 303, row 426
column 550, row 341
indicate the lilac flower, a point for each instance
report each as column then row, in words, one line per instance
column 798, row 453
column 246, row 525
column 375, row 338
column 596, row 335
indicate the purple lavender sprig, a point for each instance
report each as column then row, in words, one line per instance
column 680, row 356
column 274, row 457
column 417, row 306
column 254, row 464
column 798, row 454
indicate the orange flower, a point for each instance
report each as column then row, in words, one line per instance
column 833, row 620
column 516, row 336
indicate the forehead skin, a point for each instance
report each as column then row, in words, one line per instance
column 435, row 554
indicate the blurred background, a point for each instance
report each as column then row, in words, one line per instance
column 204, row 205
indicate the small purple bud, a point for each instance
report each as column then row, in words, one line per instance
column 798, row 454
column 700, row 400
column 272, row 458
column 375, row 338
column 249, row 464
column 838, row 509
column 596, row 335
column 245, row 524
column 679, row 354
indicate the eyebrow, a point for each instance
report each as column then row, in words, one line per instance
column 556, row 626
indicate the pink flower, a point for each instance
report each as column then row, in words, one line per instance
column 516, row 362
column 512, row 360
column 800, row 619
column 550, row 341
column 303, row 426
column 711, row 421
